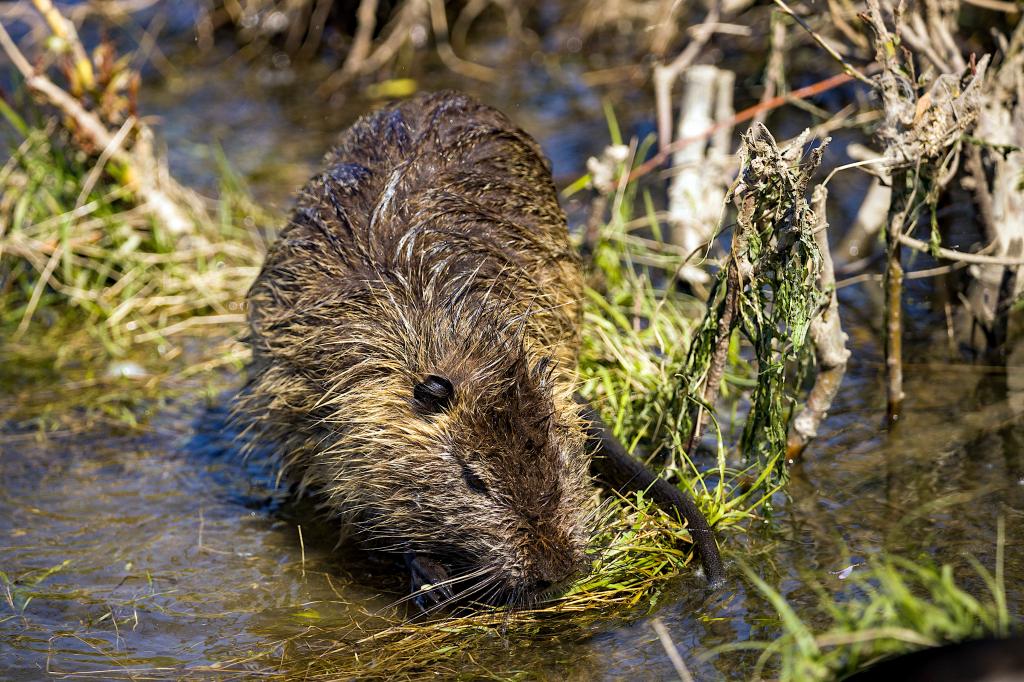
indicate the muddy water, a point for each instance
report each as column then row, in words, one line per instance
column 152, row 553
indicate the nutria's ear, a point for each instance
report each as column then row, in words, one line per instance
column 433, row 394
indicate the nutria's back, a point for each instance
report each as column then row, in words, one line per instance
column 414, row 331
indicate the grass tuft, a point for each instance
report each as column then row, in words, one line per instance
column 75, row 245
column 894, row 606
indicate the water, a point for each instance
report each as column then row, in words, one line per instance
column 149, row 550
column 166, row 554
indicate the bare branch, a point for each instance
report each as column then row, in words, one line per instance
column 847, row 66
column 960, row 256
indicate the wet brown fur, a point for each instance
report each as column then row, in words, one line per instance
column 432, row 243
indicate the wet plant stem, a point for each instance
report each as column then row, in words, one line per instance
column 723, row 334
column 898, row 211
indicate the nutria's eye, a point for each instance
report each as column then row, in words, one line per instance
column 434, row 393
column 474, row 482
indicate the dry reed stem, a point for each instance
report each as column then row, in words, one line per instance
column 439, row 24
column 665, row 75
column 162, row 196
column 366, row 17
column 413, row 12
column 65, row 30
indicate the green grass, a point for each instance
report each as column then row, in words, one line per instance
column 87, row 279
column 76, row 249
column 891, row 606
column 636, row 341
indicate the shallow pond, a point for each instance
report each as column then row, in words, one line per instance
column 149, row 552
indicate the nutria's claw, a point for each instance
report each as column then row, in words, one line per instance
column 428, row 581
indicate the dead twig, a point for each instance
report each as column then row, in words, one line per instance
column 899, row 212
column 960, row 256
column 159, row 193
column 700, row 173
column 671, row 651
column 745, row 115
column 774, row 70
column 849, row 68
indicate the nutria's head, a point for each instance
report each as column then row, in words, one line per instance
column 506, row 493
column 438, row 431
column 467, row 451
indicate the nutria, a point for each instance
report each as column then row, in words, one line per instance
column 415, row 330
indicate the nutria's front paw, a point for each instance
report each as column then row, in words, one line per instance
column 428, row 581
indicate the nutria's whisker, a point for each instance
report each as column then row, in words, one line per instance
column 436, row 586
column 461, row 597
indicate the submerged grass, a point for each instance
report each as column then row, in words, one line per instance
column 638, row 550
column 894, row 606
